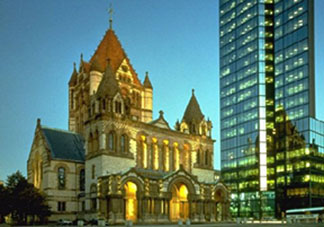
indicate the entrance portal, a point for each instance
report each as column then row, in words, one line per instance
column 219, row 198
column 179, row 203
column 130, row 201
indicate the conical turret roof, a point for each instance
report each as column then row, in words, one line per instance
column 147, row 82
column 111, row 48
column 74, row 75
column 108, row 85
column 96, row 66
column 193, row 112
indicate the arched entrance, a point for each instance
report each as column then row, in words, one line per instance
column 179, row 206
column 221, row 197
column 130, row 201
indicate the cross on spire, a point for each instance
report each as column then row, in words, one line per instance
column 110, row 11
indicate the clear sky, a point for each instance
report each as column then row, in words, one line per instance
column 176, row 41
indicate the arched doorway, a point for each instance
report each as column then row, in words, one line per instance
column 219, row 199
column 130, row 201
column 179, row 207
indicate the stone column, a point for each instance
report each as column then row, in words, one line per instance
column 212, row 211
column 201, row 211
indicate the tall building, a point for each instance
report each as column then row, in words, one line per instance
column 272, row 146
column 116, row 163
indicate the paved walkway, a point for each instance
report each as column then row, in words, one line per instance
column 225, row 225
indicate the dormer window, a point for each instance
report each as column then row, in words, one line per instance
column 125, row 68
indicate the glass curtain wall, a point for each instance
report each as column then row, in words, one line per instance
column 247, row 96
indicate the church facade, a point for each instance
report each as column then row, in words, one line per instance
column 116, row 163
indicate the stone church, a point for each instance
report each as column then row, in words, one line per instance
column 115, row 162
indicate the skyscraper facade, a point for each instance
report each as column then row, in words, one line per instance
column 271, row 143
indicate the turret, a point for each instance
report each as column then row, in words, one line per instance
column 95, row 76
column 148, row 100
column 193, row 121
column 72, row 98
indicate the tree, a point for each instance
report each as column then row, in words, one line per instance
column 4, row 201
column 25, row 200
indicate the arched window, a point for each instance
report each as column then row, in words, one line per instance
column 93, row 171
column 118, row 107
column 93, row 195
column 111, row 141
column 82, row 180
column 144, row 151
column 176, row 157
column 124, row 143
column 155, row 152
column 203, row 129
column 206, row 157
column 166, row 155
column 103, row 104
column 138, row 100
column 198, row 156
column 96, row 141
column 186, row 158
column 90, row 140
column 193, row 129
column 61, row 178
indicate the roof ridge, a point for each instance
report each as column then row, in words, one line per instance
column 59, row 130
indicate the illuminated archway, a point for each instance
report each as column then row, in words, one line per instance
column 179, row 207
column 130, row 201
column 220, row 197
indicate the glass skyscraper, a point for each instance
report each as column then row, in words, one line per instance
column 271, row 144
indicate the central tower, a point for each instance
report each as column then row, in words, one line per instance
column 85, row 82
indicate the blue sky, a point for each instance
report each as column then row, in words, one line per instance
column 176, row 41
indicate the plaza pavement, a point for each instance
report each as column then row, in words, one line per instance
column 278, row 224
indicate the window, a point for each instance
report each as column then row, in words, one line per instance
column 144, row 152
column 118, row 107
column 93, row 194
column 82, row 180
column 111, row 141
column 206, row 157
column 61, row 178
column 93, row 171
column 61, row 206
column 176, row 154
column 93, row 204
column 90, row 143
column 198, row 156
column 166, row 155
column 124, row 143
column 104, row 104
column 155, row 151
column 96, row 141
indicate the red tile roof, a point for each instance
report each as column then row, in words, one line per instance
column 110, row 48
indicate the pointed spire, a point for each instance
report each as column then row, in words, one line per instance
column 108, row 85
column 110, row 11
column 81, row 66
column 38, row 122
column 177, row 125
column 193, row 112
column 147, row 82
column 74, row 75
